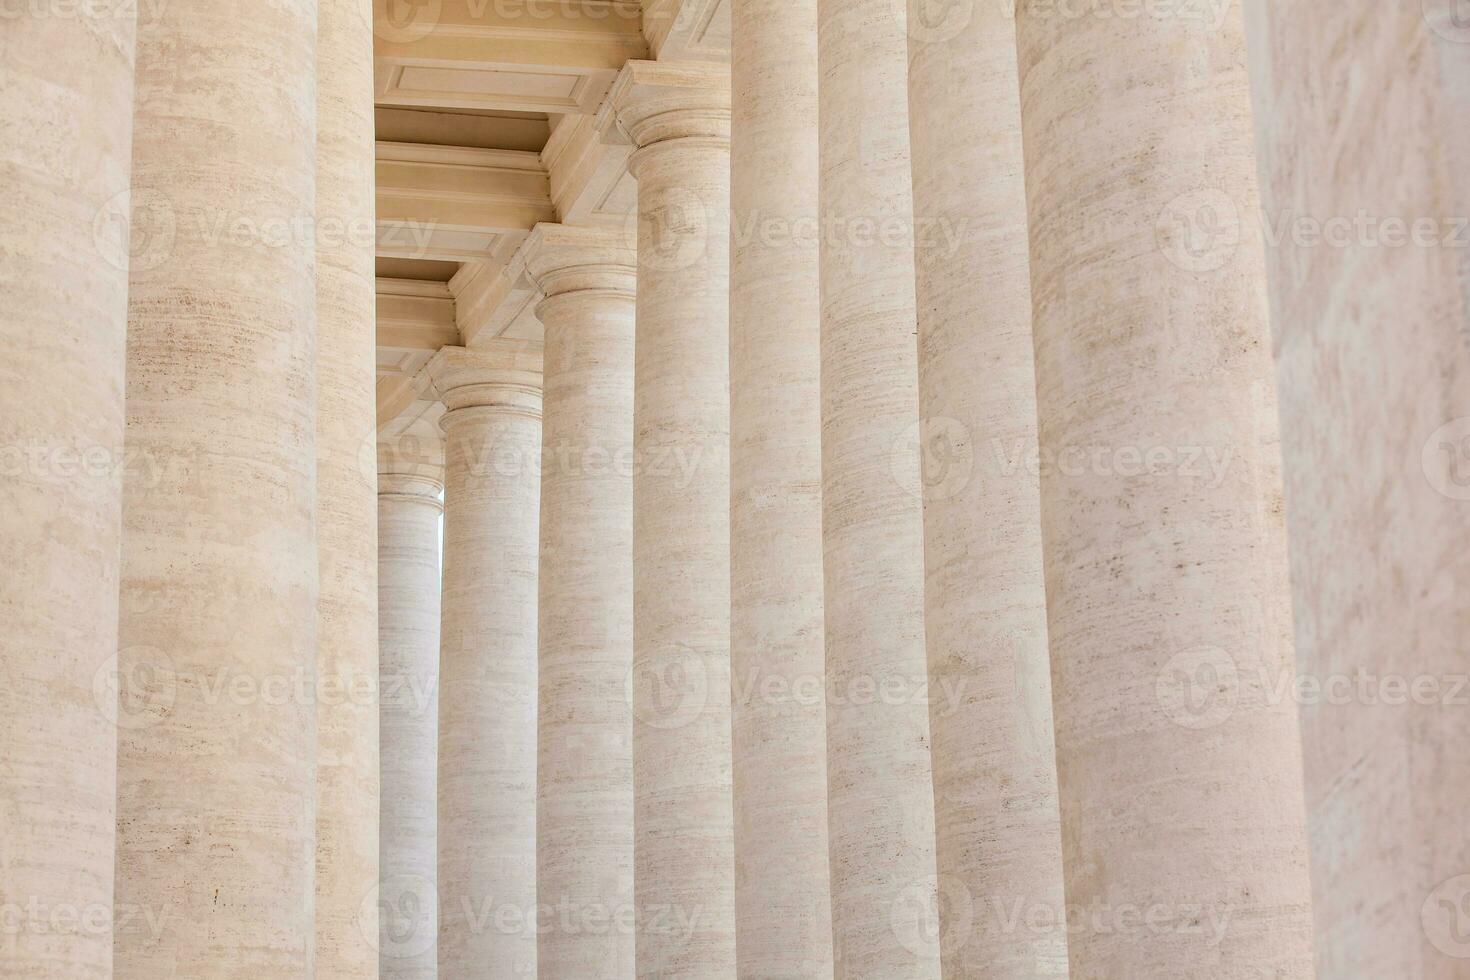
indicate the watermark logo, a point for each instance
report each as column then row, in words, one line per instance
column 136, row 688
column 669, row 689
column 1446, row 459
column 406, row 21
column 1198, row 688
column 1199, row 231
column 932, row 914
column 135, row 232
column 672, row 235
column 398, row 916
column 1446, row 917
column 937, row 21
column 946, row 458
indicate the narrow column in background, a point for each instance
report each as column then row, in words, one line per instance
column 487, row 664
column 1371, row 290
column 881, row 799
column 346, row 514
column 678, row 117
column 66, row 113
column 782, row 887
column 995, row 780
column 584, row 816
column 1169, row 608
column 410, row 507
column 217, row 634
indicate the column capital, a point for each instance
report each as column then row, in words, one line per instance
column 411, row 470
column 560, row 260
column 654, row 102
column 502, row 376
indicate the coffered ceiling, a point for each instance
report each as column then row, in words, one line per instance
column 487, row 124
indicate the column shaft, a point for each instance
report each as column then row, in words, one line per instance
column 487, row 702
column 65, row 125
column 995, row 785
column 782, row 887
column 584, row 823
column 409, row 512
column 1180, row 773
column 1372, row 326
column 217, row 636
column 684, row 851
column 346, row 362
column 881, row 798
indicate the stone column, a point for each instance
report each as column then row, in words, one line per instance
column 782, row 887
column 584, row 816
column 487, row 702
column 410, row 507
column 995, row 781
column 1178, row 757
column 1371, row 302
column 346, row 514
column 217, row 633
column 65, row 124
column 678, row 117
column 881, row 799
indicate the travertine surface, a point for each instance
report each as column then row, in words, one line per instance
column 217, row 635
column 409, row 510
column 684, row 847
column 1374, row 375
column 881, row 799
column 1180, row 770
column 66, row 86
column 584, row 818
column 995, row 783
column 347, row 507
column 487, row 665
column 782, row 888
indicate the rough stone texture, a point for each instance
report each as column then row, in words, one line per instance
column 684, row 848
column 782, row 888
column 217, row 635
column 1180, row 771
column 1373, row 363
column 66, row 86
column 487, row 701
column 346, row 514
column 409, row 511
column 995, row 781
column 584, row 822
column 881, row 796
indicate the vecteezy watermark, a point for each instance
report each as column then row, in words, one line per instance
column 942, row 235
column 938, row 913
column 139, row 688
column 399, row 916
column 1202, row 687
column 1446, row 459
column 799, row 691
column 1365, row 229
column 1199, row 231
column 139, row 231
column 1445, row 917
column 1206, row 464
column 35, row 917
column 489, row 457
column 670, row 688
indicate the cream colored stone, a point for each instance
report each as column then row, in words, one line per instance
column 782, row 888
column 410, row 508
column 346, row 514
column 1180, row 773
column 679, row 117
column 995, row 784
column 1374, row 375
column 881, row 799
column 217, row 636
column 584, row 818
column 487, row 702
column 66, row 89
